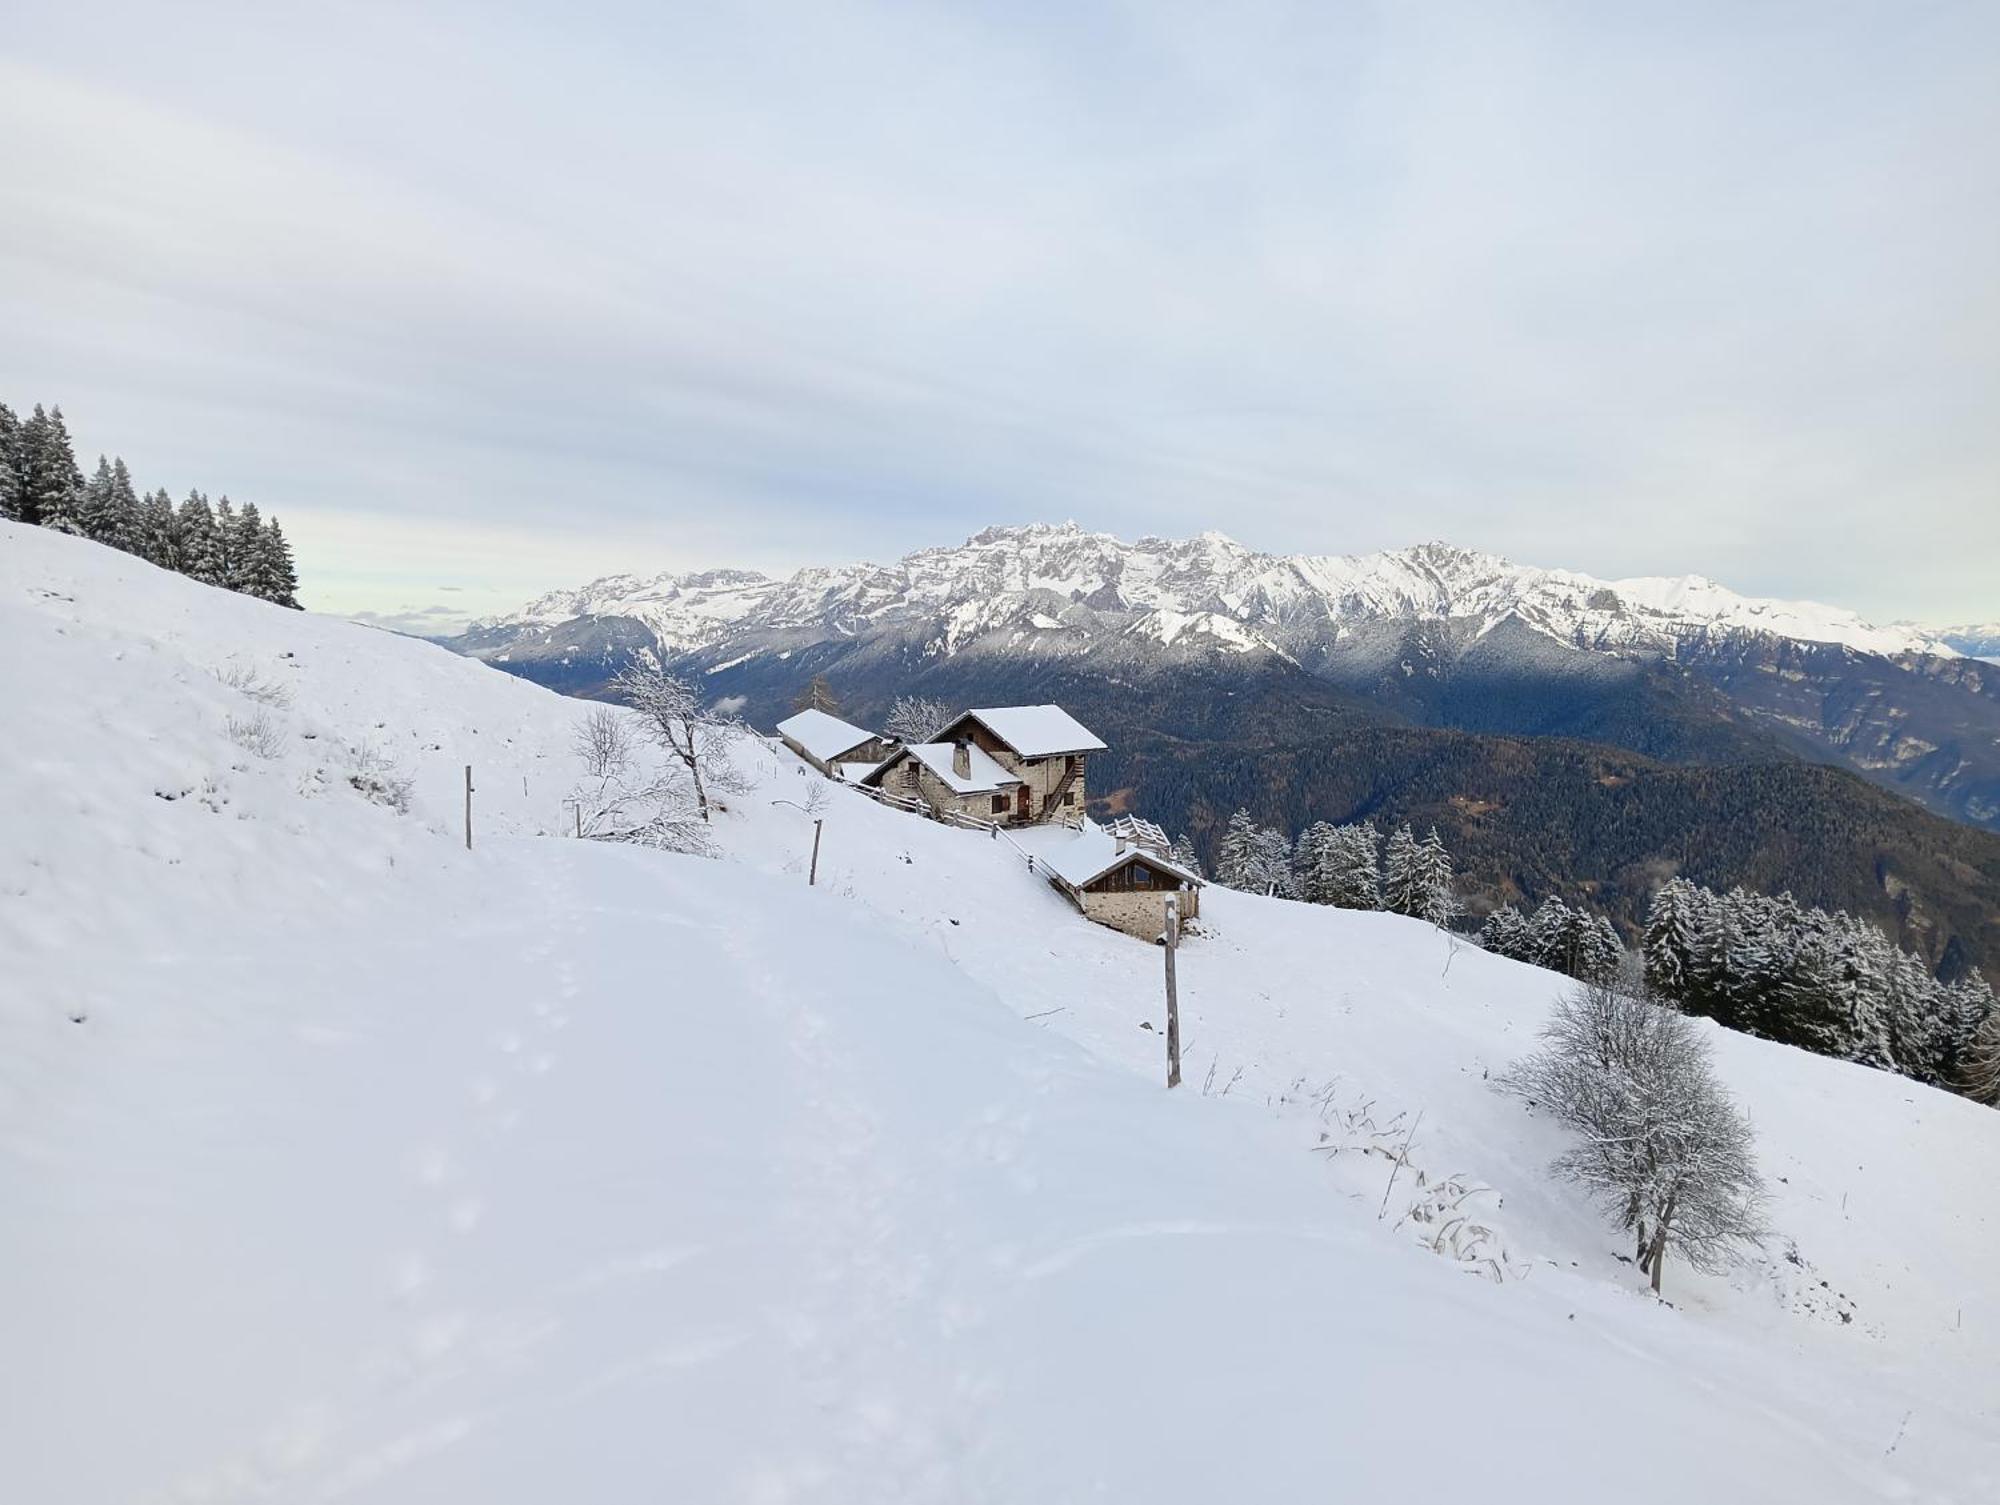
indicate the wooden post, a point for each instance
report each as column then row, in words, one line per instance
column 812, row 873
column 468, row 807
column 579, row 820
column 1173, row 995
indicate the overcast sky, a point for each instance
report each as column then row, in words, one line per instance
column 490, row 299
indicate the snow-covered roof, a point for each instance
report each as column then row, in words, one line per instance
column 1080, row 858
column 825, row 737
column 1036, row 731
column 983, row 775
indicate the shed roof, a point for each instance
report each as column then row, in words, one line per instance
column 1035, row 731
column 825, row 737
column 983, row 775
column 1089, row 854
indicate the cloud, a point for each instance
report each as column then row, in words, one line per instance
column 1633, row 289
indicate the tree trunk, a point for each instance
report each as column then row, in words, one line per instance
column 693, row 761
column 1659, row 1256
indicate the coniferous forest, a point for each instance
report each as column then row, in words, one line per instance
column 234, row 547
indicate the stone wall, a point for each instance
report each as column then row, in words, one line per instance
column 1141, row 912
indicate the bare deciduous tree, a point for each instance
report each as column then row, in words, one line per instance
column 1661, row 1142
column 689, row 733
column 917, row 718
column 603, row 742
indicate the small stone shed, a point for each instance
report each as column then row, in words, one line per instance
column 1117, row 883
column 828, row 743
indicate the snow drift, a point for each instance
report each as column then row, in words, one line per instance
column 344, row 1163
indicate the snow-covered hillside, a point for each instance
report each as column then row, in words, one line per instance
column 1209, row 586
column 343, row 1163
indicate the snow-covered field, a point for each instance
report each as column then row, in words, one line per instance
column 339, row 1162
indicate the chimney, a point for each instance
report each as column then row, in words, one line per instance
column 961, row 759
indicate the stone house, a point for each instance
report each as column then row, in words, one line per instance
column 1116, row 882
column 1011, row 765
column 834, row 746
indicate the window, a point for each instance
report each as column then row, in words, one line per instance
column 1142, row 876
column 1070, row 798
column 999, row 804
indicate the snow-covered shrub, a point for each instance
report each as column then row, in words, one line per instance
column 246, row 681
column 376, row 777
column 256, row 734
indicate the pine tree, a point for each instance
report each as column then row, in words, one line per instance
column 53, row 495
column 154, row 536
column 1671, row 923
column 1505, row 933
column 1551, row 937
column 1356, row 878
column 228, row 568
column 10, row 464
column 1437, row 899
column 817, row 696
column 1184, row 855
column 125, row 509
column 1400, row 893
column 1235, row 861
column 198, row 539
column 243, row 549
column 98, row 513
column 281, row 576
column 1314, row 862
column 1272, row 864
column 1602, row 954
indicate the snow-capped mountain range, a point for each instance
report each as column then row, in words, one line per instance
column 1207, row 590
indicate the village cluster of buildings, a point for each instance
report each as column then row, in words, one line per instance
column 1021, row 769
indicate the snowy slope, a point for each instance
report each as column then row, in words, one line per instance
column 379, row 1170
column 1208, row 587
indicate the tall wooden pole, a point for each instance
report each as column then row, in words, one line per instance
column 468, row 807
column 812, row 873
column 1173, row 995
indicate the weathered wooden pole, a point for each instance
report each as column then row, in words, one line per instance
column 812, row 873
column 1173, row 995
column 468, row 807
column 579, row 820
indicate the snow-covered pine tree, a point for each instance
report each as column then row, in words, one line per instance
column 280, row 574
column 229, row 568
column 1551, row 936
column 1437, row 895
column 1671, row 924
column 125, row 507
column 1505, row 933
column 1235, row 859
column 1271, row 863
column 154, row 537
column 10, row 464
column 54, row 489
column 1313, row 862
column 1602, row 954
column 1356, row 881
column 102, row 513
column 1184, row 855
column 243, row 549
column 1400, row 891
column 198, row 539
